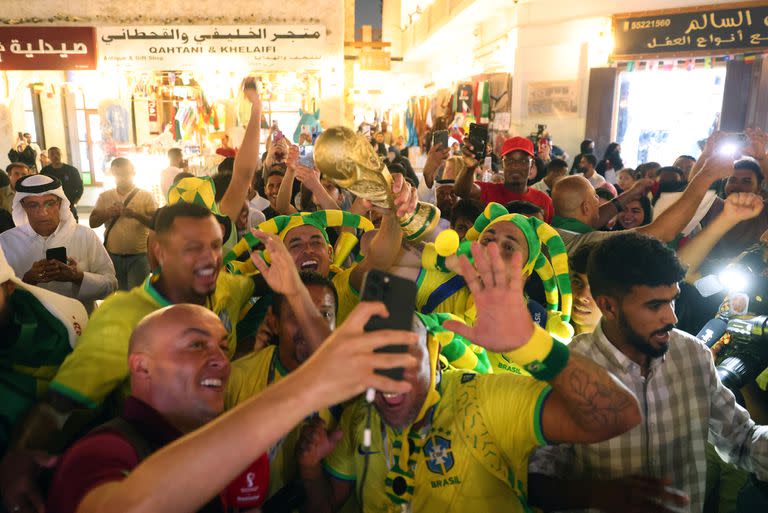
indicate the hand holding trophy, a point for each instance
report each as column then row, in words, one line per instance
column 348, row 159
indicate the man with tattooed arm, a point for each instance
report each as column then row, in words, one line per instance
column 659, row 466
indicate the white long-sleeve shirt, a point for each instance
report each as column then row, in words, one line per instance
column 23, row 247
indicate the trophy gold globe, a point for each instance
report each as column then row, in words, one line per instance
column 348, row 160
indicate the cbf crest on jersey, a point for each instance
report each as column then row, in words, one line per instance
column 439, row 455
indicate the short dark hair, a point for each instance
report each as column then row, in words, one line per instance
column 168, row 214
column 221, row 181
column 604, row 193
column 275, row 172
column 578, row 260
column 630, row 259
column 228, row 164
column 525, row 208
column 643, row 169
column 750, row 164
column 174, row 152
column 308, row 278
column 557, row 164
column 12, row 165
column 589, row 157
column 672, row 169
column 181, row 176
column 686, row 157
column 466, row 208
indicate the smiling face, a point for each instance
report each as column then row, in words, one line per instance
column 309, row 249
column 585, row 313
column 190, row 256
column 400, row 410
column 181, row 368
column 632, row 216
column 272, row 187
column 508, row 237
column 294, row 347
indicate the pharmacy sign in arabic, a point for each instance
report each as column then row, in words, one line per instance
column 47, row 48
column 211, row 47
column 710, row 30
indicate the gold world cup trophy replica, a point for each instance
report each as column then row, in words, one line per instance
column 348, row 160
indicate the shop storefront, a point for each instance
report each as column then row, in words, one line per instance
column 137, row 91
column 678, row 75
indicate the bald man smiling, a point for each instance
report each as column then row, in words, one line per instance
column 161, row 453
column 578, row 213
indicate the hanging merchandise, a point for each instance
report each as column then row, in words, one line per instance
column 116, row 120
column 410, row 124
column 463, row 99
column 308, row 127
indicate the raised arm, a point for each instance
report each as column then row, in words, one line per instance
column 247, row 159
column 758, row 140
column 738, row 207
column 385, row 246
column 435, row 158
column 672, row 221
column 283, row 202
column 587, row 403
column 464, row 186
column 282, row 276
column 341, row 368
column 634, row 193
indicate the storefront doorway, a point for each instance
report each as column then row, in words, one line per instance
column 665, row 113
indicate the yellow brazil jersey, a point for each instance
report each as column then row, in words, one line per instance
column 99, row 363
column 348, row 296
column 440, row 292
column 251, row 375
column 473, row 458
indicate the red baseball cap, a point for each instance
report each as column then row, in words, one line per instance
column 517, row 144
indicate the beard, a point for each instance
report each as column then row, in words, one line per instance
column 640, row 343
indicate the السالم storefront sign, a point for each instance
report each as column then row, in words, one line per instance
column 211, row 47
column 47, row 48
column 714, row 30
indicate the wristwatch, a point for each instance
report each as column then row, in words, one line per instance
column 617, row 204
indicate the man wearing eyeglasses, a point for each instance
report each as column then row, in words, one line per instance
column 49, row 249
column 517, row 159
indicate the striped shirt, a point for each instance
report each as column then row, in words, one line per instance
column 683, row 403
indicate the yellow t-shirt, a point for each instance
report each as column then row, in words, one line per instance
column 251, row 375
column 348, row 296
column 461, row 304
column 452, row 472
column 99, row 363
column 429, row 283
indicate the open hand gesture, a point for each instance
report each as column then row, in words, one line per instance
column 503, row 321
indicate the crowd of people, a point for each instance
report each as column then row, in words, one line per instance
column 212, row 353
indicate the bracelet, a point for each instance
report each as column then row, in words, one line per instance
column 617, row 204
column 543, row 357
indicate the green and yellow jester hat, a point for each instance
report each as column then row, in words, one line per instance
column 458, row 352
column 553, row 271
column 281, row 225
column 200, row 190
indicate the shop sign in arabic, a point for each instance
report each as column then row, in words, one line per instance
column 717, row 31
column 162, row 47
column 47, row 48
